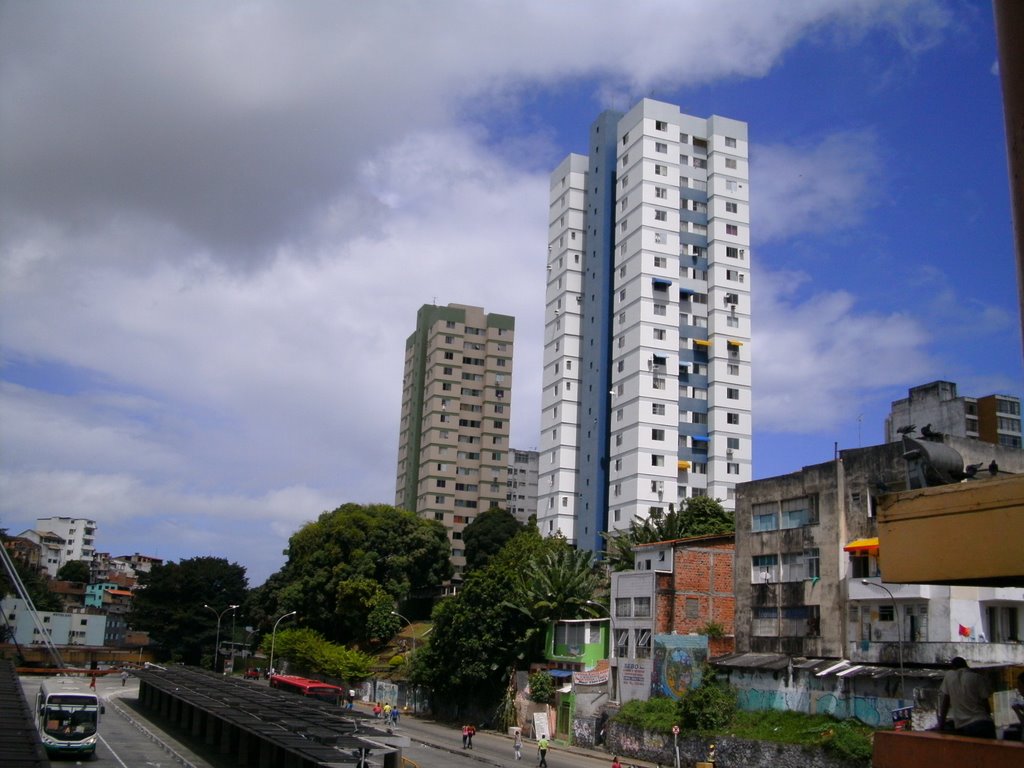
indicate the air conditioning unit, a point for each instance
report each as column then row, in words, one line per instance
column 728, row 452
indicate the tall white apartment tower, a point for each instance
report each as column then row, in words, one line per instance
column 647, row 381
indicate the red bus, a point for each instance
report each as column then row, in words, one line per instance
column 314, row 689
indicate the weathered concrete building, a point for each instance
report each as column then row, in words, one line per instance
column 810, row 574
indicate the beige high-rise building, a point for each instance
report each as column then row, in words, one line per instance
column 453, row 442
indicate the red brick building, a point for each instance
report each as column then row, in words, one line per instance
column 698, row 591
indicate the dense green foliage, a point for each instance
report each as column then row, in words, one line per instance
column 308, row 653
column 709, row 704
column 477, row 635
column 709, row 707
column 559, row 584
column 700, row 516
column 484, row 537
column 542, row 688
column 74, row 570
column 343, row 568
column 658, row 714
column 169, row 605
column 497, row 621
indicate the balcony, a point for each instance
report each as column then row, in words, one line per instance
column 936, row 654
column 857, row 590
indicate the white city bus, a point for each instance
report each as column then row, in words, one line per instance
column 68, row 716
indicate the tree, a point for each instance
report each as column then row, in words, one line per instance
column 310, row 653
column 558, row 584
column 169, row 604
column 36, row 584
column 488, row 532
column 478, row 636
column 74, row 570
column 337, row 564
column 699, row 516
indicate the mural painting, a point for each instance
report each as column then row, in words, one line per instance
column 678, row 660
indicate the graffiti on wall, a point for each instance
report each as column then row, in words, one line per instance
column 760, row 692
column 677, row 664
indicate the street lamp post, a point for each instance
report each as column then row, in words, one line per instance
column 273, row 637
column 412, row 634
column 899, row 630
column 216, row 648
column 611, row 645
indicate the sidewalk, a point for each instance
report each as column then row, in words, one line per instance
column 447, row 738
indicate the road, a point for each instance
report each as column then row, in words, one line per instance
column 129, row 740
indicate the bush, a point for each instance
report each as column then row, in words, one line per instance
column 709, row 707
column 658, row 714
column 542, row 687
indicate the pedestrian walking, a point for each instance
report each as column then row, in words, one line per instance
column 472, row 733
column 542, row 752
column 517, row 744
column 616, row 763
column 465, row 736
column 124, row 677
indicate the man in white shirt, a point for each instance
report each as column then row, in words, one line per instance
column 964, row 698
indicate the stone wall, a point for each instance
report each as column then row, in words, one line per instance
column 631, row 743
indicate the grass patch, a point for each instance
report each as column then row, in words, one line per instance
column 843, row 738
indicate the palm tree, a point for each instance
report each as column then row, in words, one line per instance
column 558, row 585
column 700, row 516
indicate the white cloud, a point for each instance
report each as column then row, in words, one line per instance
column 818, row 358
column 815, row 187
column 220, row 221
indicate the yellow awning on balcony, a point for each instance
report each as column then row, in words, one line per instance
column 862, row 545
column 702, row 342
column 734, row 343
column 683, row 464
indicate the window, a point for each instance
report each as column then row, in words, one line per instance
column 660, row 262
column 732, row 418
column 732, row 274
column 732, row 321
column 658, row 383
column 731, row 208
column 732, row 468
column 732, row 393
column 730, row 162
column 886, row 613
column 732, row 443
column 658, row 409
column 732, row 253
column 660, row 146
column 658, row 434
column 732, row 229
column 661, row 216
column 660, row 125
column 660, row 310
column 764, row 569
column 657, row 460
column 763, row 517
column 661, row 192
column 659, row 334
column 692, row 608
column 661, row 170
column 700, row 162
column 642, row 607
column 812, row 560
column 799, row 512
column 730, row 141
column 730, row 185
column 623, row 607
column 643, row 643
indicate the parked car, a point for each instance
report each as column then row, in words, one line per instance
column 252, row 674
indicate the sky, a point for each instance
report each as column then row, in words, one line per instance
column 219, row 220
